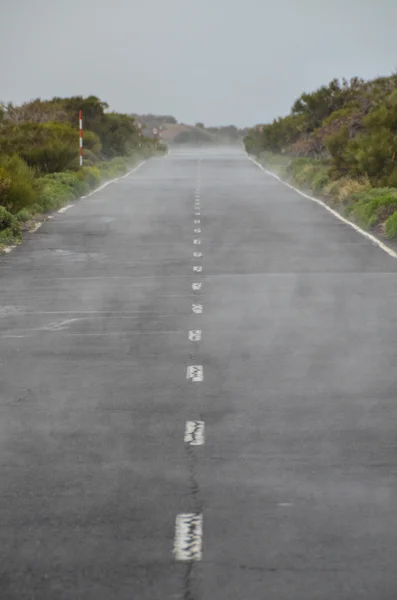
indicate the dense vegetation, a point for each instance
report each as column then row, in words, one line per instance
column 340, row 141
column 39, row 156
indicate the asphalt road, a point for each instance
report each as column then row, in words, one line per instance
column 284, row 486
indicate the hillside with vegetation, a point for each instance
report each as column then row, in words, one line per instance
column 39, row 156
column 340, row 142
column 173, row 132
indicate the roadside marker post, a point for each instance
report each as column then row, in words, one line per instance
column 81, row 136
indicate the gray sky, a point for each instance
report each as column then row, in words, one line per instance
column 216, row 61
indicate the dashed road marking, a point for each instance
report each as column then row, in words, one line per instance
column 197, row 242
column 197, row 308
column 194, row 433
column 197, row 254
column 196, row 286
column 195, row 373
column 59, row 325
column 197, row 268
column 195, row 335
column 65, row 208
column 197, row 230
column 197, row 221
column 197, row 214
column 188, row 537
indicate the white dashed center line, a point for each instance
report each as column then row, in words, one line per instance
column 196, row 286
column 195, row 335
column 188, row 537
column 197, row 254
column 195, row 373
column 197, row 242
column 197, row 268
column 194, row 433
column 197, row 308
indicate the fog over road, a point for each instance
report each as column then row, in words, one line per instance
column 198, row 395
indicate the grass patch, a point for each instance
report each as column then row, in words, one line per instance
column 345, row 188
column 374, row 206
column 391, row 227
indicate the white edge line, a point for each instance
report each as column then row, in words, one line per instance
column 65, row 208
column 101, row 187
column 367, row 235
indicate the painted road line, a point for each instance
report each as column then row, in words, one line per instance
column 195, row 373
column 197, row 242
column 197, row 214
column 196, row 221
column 197, row 254
column 197, row 308
column 367, row 235
column 65, row 208
column 9, row 249
column 196, row 286
column 59, row 325
column 188, row 537
column 194, row 433
column 133, row 170
column 197, row 268
column 197, row 230
column 103, row 186
column 195, row 335
column 36, row 227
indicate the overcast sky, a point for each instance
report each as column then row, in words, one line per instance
column 217, row 61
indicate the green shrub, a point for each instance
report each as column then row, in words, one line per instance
column 59, row 188
column 320, row 180
column 309, row 172
column 71, row 180
column 375, row 208
column 345, row 188
column 5, row 184
column 54, row 194
column 391, row 227
column 341, row 113
column 91, row 175
column 23, row 215
column 336, row 144
column 19, row 187
column 10, row 230
column 113, row 168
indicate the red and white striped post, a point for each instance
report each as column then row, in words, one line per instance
column 81, row 137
